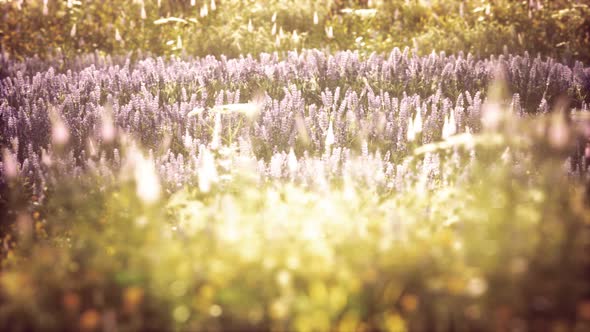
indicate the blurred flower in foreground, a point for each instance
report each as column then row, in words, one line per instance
column 9, row 164
column 46, row 158
column 146, row 179
column 493, row 113
column 449, row 126
column 107, row 128
column 492, row 116
column 559, row 133
column 59, row 131
column 414, row 126
column 207, row 172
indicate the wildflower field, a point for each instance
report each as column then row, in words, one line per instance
column 300, row 181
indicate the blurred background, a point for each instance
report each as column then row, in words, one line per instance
column 557, row 28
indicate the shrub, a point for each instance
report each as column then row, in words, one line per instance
column 233, row 27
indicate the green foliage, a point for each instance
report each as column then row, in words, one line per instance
column 485, row 27
column 163, row 27
column 234, row 27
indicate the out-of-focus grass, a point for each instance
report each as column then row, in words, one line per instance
column 501, row 229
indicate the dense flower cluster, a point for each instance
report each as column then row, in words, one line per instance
column 311, row 109
column 314, row 192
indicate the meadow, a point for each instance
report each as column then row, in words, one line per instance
column 297, row 180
